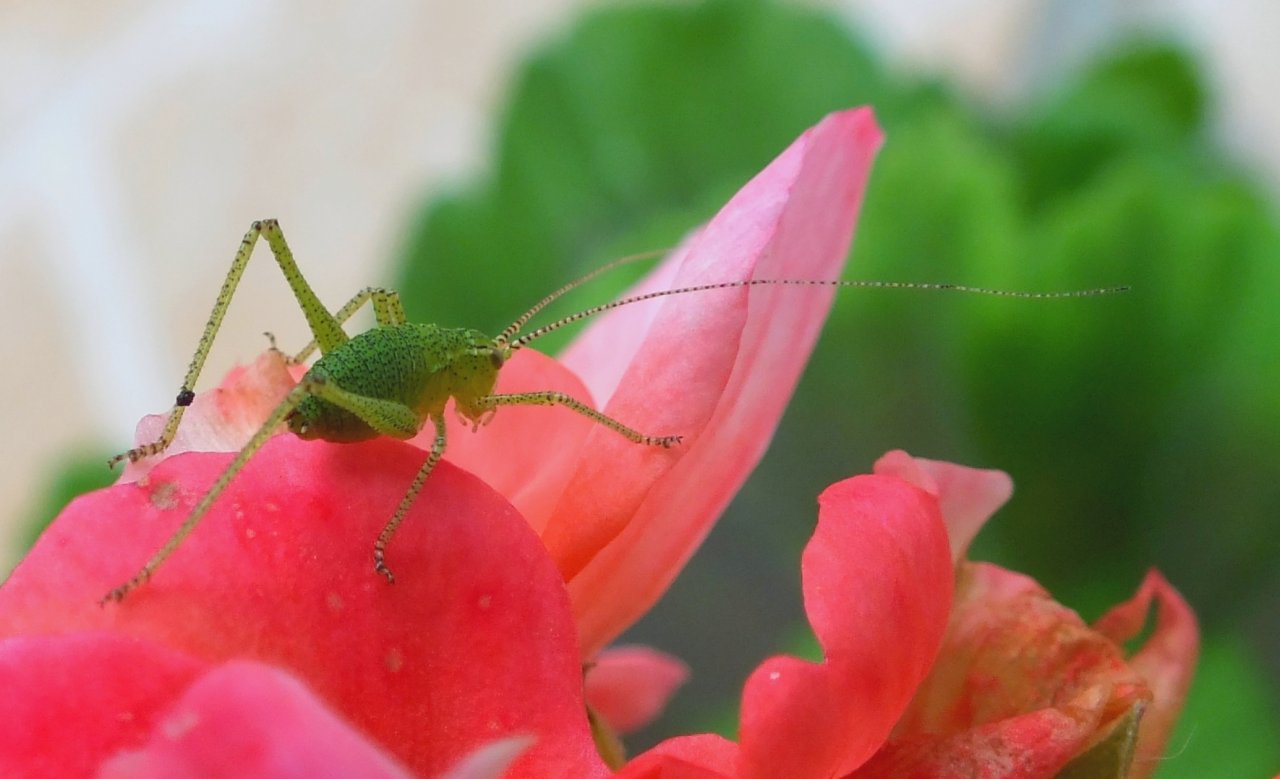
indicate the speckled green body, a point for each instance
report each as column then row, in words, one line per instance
column 418, row 365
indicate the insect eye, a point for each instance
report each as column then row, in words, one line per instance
column 495, row 357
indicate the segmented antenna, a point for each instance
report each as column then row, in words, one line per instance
column 524, row 318
column 556, row 325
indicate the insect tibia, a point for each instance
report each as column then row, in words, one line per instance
column 559, row 323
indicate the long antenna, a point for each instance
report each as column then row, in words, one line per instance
column 524, row 318
column 556, row 325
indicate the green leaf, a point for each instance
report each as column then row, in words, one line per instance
column 1230, row 723
column 1107, row 380
column 1110, row 757
column 1145, row 99
column 80, row 473
column 637, row 124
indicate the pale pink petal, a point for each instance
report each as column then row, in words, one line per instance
column 246, row 719
column 629, row 686
column 1166, row 660
column 224, row 418
column 968, row 496
column 717, row 368
column 602, row 352
column 877, row 587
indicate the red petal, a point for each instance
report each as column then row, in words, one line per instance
column 491, row 760
column 877, row 586
column 630, row 685
column 717, row 368
column 245, row 719
column 687, row 757
column 1020, row 687
column 281, row 571
column 968, row 496
column 1166, row 661
column 70, row 702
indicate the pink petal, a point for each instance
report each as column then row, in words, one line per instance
column 968, row 496
column 632, row 515
column 877, row 586
column 1020, row 688
column 526, row 453
column 245, row 719
column 602, row 353
column 224, row 418
column 1165, row 662
column 280, row 571
column 630, row 685
column 70, row 702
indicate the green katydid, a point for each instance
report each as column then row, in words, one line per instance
column 397, row 377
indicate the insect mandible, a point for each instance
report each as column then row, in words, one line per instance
column 394, row 379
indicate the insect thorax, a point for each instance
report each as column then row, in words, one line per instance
column 418, row 365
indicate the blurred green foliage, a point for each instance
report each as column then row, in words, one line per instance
column 1141, row 430
column 610, row 143
column 1223, row 731
column 80, row 473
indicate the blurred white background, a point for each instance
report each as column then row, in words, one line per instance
column 139, row 139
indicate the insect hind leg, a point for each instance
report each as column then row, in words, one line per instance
column 387, row 311
column 324, row 327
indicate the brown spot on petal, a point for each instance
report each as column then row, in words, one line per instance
column 395, row 660
column 165, row 497
column 335, row 603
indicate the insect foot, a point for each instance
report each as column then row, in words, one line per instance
column 137, row 453
column 118, row 593
column 380, row 566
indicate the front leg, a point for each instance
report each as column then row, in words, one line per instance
column 550, row 398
